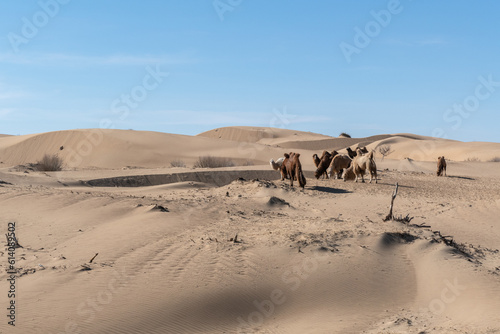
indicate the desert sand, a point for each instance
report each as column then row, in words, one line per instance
column 237, row 250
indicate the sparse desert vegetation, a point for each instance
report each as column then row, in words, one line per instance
column 50, row 163
column 346, row 135
column 177, row 163
column 209, row 161
column 385, row 150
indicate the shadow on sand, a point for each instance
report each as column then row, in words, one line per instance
column 330, row 190
column 461, row 177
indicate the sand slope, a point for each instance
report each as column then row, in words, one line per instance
column 318, row 260
column 330, row 267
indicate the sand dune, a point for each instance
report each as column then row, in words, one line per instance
column 267, row 136
column 318, row 260
column 126, row 148
column 429, row 149
column 114, row 149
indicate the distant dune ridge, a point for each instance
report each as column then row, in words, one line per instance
column 237, row 250
column 111, row 149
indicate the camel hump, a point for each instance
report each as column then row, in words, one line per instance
column 297, row 155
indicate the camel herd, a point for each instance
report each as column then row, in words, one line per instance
column 350, row 166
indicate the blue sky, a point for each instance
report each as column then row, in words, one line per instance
column 362, row 67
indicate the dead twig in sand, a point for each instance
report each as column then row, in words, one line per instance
column 235, row 239
column 460, row 247
column 405, row 220
column 394, row 194
column 92, row 259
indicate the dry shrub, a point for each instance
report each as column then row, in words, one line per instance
column 495, row 159
column 177, row 163
column 472, row 159
column 343, row 134
column 50, row 163
column 209, row 161
column 385, row 150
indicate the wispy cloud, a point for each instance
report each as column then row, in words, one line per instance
column 7, row 92
column 10, row 95
column 273, row 118
column 432, row 41
column 5, row 111
column 86, row 60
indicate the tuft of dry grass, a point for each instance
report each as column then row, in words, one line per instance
column 495, row 159
column 472, row 159
column 209, row 161
column 177, row 163
column 50, row 163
